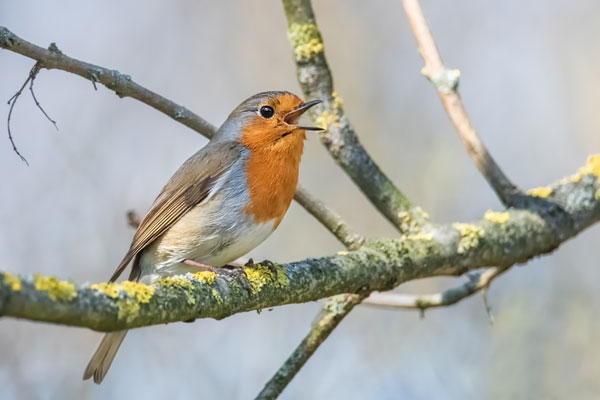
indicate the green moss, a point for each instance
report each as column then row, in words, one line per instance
column 597, row 195
column 217, row 295
column 56, row 289
column 469, row 236
column 13, row 281
column 181, row 283
column 305, row 40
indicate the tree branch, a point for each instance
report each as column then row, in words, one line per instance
column 124, row 86
column 329, row 218
column 335, row 309
column 477, row 281
column 500, row 239
column 339, row 138
column 446, row 83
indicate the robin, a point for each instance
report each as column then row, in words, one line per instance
column 221, row 203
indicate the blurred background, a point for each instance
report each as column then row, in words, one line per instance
column 529, row 80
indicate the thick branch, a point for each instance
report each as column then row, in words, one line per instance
column 124, row 86
column 500, row 239
column 446, row 83
column 339, row 138
column 334, row 310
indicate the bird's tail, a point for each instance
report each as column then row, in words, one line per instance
column 104, row 355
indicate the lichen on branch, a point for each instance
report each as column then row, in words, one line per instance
column 498, row 239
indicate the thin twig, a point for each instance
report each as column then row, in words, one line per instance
column 334, row 310
column 478, row 281
column 124, row 86
column 12, row 101
column 329, row 218
column 446, row 83
column 33, row 73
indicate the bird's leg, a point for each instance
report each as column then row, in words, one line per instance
column 234, row 271
column 266, row 263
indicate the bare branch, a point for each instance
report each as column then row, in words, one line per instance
column 12, row 101
column 334, row 310
column 329, row 218
column 446, row 83
column 340, row 138
column 36, row 67
column 478, row 281
column 121, row 84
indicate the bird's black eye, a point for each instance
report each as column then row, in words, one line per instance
column 266, row 112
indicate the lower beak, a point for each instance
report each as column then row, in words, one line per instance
column 294, row 115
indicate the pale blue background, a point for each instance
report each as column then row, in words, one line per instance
column 530, row 83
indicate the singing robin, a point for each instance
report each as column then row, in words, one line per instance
column 221, row 203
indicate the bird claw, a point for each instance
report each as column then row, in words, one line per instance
column 232, row 271
column 237, row 272
column 266, row 263
column 271, row 266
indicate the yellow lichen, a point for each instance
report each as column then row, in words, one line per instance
column 139, row 291
column 498, row 217
column 109, row 289
column 342, row 253
column 338, row 102
column 13, row 281
column 205, row 276
column 540, row 192
column 420, row 236
column 327, row 119
column 591, row 167
column 217, row 295
column 469, row 236
column 306, row 41
column 175, row 281
column 597, row 195
column 128, row 308
column 56, row 289
column 259, row 275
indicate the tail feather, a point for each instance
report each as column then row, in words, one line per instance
column 104, row 355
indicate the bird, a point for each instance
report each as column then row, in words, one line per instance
column 221, row 203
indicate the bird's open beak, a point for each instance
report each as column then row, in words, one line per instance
column 293, row 116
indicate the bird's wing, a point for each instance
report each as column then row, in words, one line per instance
column 188, row 187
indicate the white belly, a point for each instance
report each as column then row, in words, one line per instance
column 205, row 236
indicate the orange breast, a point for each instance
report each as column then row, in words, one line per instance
column 272, row 176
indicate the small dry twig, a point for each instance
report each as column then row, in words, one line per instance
column 478, row 281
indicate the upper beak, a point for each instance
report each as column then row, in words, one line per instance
column 294, row 115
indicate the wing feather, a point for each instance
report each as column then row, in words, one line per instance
column 188, row 187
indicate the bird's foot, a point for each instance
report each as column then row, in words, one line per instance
column 266, row 263
column 233, row 271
